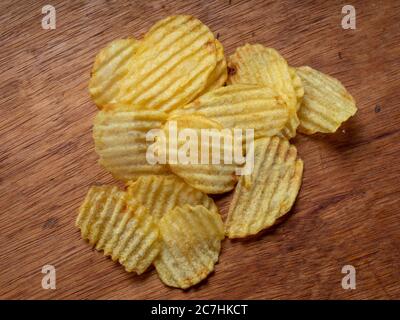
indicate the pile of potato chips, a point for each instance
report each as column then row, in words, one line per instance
column 178, row 72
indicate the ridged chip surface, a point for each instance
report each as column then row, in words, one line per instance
column 326, row 102
column 298, row 86
column 208, row 177
column 244, row 107
column 120, row 140
column 191, row 242
column 256, row 64
column 110, row 69
column 219, row 75
column 127, row 233
column 172, row 64
column 160, row 194
column 270, row 191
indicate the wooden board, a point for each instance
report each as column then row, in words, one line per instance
column 347, row 211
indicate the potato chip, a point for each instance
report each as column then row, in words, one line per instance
column 219, row 76
column 242, row 106
column 256, row 64
column 271, row 191
column 119, row 133
column 298, row 86
column 126, row 232
column 201, row 173
column 172, row 64
column 191, row 242
column 93, row 205
column 159, row 194
column 110, row 70
column 326, row 102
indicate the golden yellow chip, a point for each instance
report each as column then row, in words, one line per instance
column 326, row 102
column 192, row 157
column 126, row 232
column 172, row 64
column 120, row 140
column 159, row 194
column 219, row 76
column 110, row 69
column 271, row 191
column 256, row 64
column 191, row 242
column 298, row 86
column 242, row 106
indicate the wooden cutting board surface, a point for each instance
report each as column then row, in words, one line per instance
column 347, row 212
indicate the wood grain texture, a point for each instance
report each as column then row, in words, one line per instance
column 347, row 210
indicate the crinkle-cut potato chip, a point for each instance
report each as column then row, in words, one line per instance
column 244, row 107
column 172, row 64
column 191, row 242
column 256, row 64
column 119, row 133
column 289, row 131
column 271, row 191
column 219, row 76
column 326, row 102
column 110, row 69
column 208, row 177
column 127, row 233
column 159, row 194
column 298, row 86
